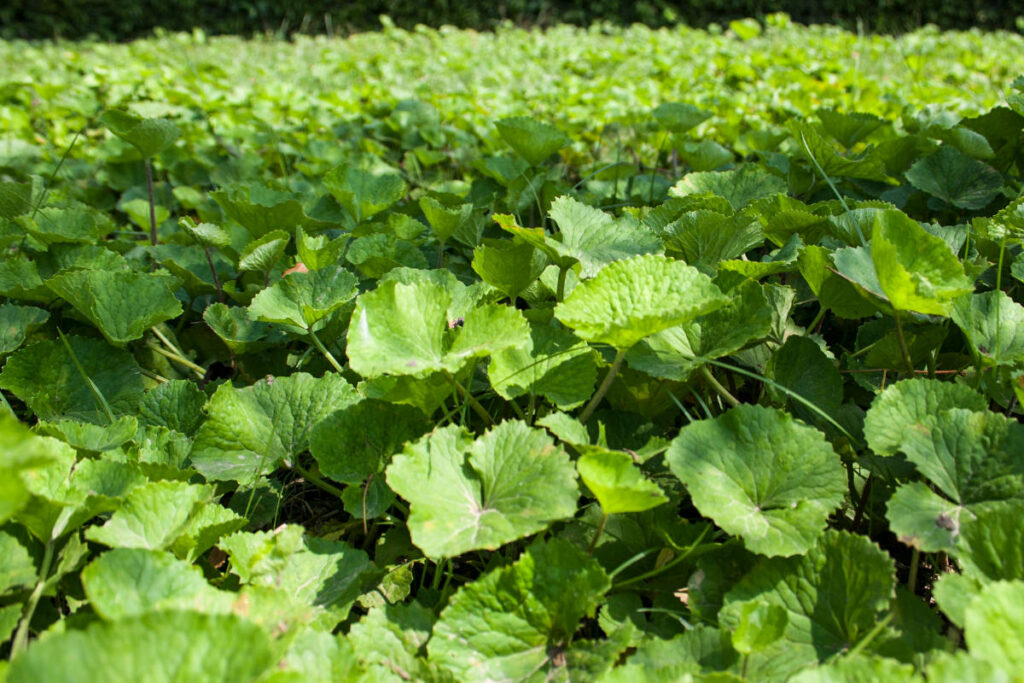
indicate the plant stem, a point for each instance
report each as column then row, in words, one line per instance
column 323, row 349
column 915, row 560
column 316, row 480
column 668, row 565
column 597, row 534
column 903, row 344
column 560, row 291
column 717, row 386
column 181, row 360
column 213, row 272
column 440, row 255
column 21, row 637
column 473, row 403
column 620, row 355
column 871, row 635
column 862, row 503
column 152, row 202
column 817, row 319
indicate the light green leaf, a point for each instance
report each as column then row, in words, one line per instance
column 617, row 483
column 303, row 299
column 507, row 266
column 994, row 326
column 44, row 376
column 557, row 366
column 316, row 252
column 362, row 193
column 127, row 582
column 24, row 451
column 679, row 117
column 739, row 186
column 992, row 542
column 152, row 517
column 994, row 629
column 249, row 432
column 16, row 322
column 92, row 437
column 953, row 177
column 705, row 238
column 760, row 625
column 904, row 406
column 923, row 519
column 160, row 646
column 444, row 217
column 916, row 270
column 515, row 623
column 637, row 297
column 425, row 393
column 834, row 595
column 960, row 667
column 405, row 329
column 261, row 254
column 761, row 475
column 207, row 234
column 861, row 669
column 509, row 483
column 391, row 638
column 355, row 442
column 17, row 569
column 531, row 139
column 121, row 304
column 148, row 136
column 595, row 238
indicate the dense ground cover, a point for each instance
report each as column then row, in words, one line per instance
column 611, row 355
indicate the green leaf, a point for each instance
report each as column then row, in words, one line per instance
column 444, row 217
column 739, row 186
column 994, row 326
column 509, row 483
column 679, row 117
column 759, row 474
column 152, row 517
column 261, row 254
column 16, row 322
column 240, row 333
column 678, row 351
column 249, row 432
column 316, row 573
column 121, row 304
column 834, row 595
column 303, row 299
column 515, row 623
column 923, row 519
column 531, row 139
column 557, row 365
column 507, row 266
column 161, row 646
column 705, row 238
column 861, row 669
column 362, row 193
column 760, row 625
column 260, row 209
column 833, row 291
column 316, row 252
column 17, row 569
column 207, row 234
column 595, row 238
column 355, row 442
column 391, row 638
column 92, row 437
column 617, row 483
column 991, row 544
column 405, row 329
column 953, row 177
column 15, row 199
column 127, row 582
column 905, row 406
column 44, row 376
column 148, row 136
column 823, row 153
column 802, row 367
column 177, row 405
column 637, row 297
column 994, row 629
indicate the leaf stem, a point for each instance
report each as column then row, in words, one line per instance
column 915, row 560
column 97, row 394
column 903, row 343
column 560, row 291
column 323, row 350
column 213, row 272
column 620, row 355
column 597, row 534
column 181, row 360
column 717, row 386
column 316, row 480
column 668, row 565
column 21, row 637
column 473, row 403
column 871, row 635
column 152, row 203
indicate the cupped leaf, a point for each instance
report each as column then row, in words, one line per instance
column 121, row 304
column 509, row 483
column 249, row 432
column 161, row 646
column 354, row 443
column 362, row 193
column 261, row 254
column 49, row 381
column 740, row 186
column 127, row 582
column 16, row 322
column 833, row 596
column 405, row 329
column 916, row 270
column 303, row 299
column 637, row 297
column 557, row 366
column 617, row 483
column 905, row 406
column 444, row 217
column 531, row 139
column 679, row 117
column 953, row 177
column 507, row 266
column 260, row 209
column 148, row 136
column 994, row 326
column 516, row 623
column 240, row 333
column 761, row 475
column 760, row 625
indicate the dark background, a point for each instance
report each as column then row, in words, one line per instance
column 127, row 19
